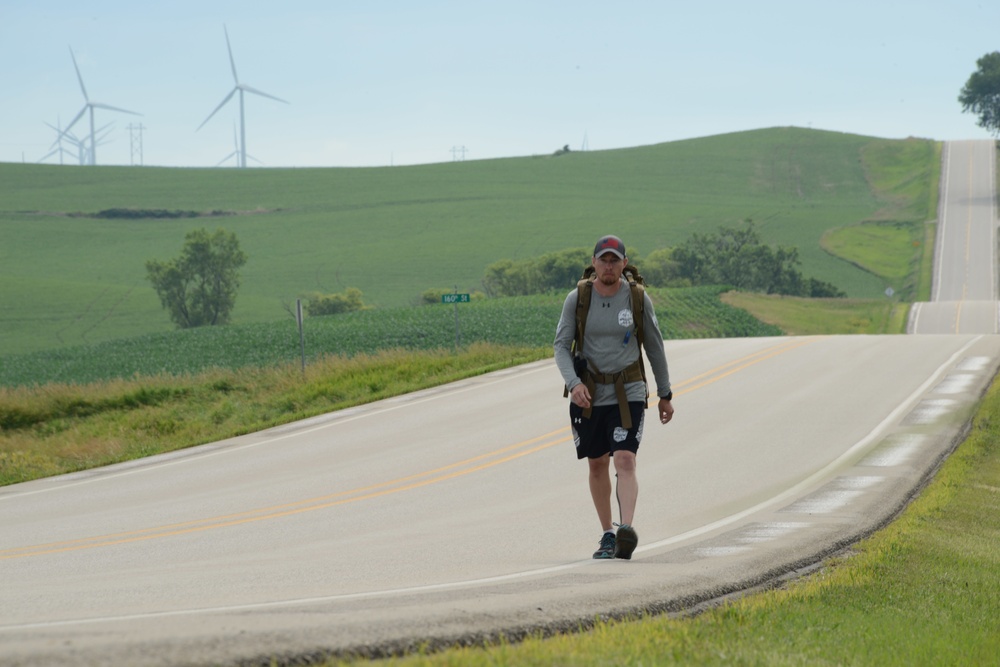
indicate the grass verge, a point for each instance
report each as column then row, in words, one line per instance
column 923, row 591
column 802, row 317
column 895, row 244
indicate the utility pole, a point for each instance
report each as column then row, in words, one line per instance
column 456, row 151
column 135, row 145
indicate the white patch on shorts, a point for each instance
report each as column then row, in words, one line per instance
column 620, row 434
column 625, row 317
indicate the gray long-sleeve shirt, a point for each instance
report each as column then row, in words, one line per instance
column 606, row 345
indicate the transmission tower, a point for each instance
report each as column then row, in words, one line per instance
column 458, row 153
column 135, row 142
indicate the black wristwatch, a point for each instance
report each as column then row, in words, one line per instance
column 668, row 397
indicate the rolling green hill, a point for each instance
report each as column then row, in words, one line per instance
column 394, row 232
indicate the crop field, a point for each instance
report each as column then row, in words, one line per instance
column 68, row 278
column 521, row 321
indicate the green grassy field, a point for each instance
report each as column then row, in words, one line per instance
column 806, row 317
column 394, row 232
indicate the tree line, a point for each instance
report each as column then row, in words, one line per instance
column 734, row 256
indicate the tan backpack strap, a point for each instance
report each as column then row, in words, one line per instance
column 584, row 290
column 638, row 302
column 637, row 286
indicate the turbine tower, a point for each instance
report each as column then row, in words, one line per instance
column 241, row 88
column 91, row 157
column 236, row 151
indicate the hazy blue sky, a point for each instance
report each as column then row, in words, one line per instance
column 378, row 82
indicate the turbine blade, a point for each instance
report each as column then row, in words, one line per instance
column 104, row 132
column 59, row 135
column 78, row 76
column 219, row 163
column 232, row 62
column 75, row 118
column 221, row 104
column 253, row 90
column 98, row 105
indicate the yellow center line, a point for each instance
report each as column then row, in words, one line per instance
column 286, row 509
column 716, row 374
column 409, row 482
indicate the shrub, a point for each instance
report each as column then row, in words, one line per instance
column 347, row 301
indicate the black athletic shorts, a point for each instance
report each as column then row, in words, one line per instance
column 603, row 433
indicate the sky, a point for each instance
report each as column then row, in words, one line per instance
column 394, row 82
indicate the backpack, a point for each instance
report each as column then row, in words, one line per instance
column 584, row 290
column 635, row 372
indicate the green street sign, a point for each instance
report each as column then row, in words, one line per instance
column 454, row 298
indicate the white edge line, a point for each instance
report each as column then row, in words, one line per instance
column 991, row 169
column 825, row 471
column 914, row 320
column 942, row 223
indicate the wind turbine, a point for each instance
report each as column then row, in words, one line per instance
column 236, row 151
column 242, row 88
column 90, row 106
column 82, row 151
column 57, row 145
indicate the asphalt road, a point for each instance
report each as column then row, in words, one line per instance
column 461, row 511
column 964, row 293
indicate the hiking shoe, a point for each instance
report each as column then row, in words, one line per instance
column 625, row 541
column 607, row 548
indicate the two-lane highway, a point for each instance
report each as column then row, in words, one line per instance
column 964, row 294
column 463, row 510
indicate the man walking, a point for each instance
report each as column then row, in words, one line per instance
column 605, row 380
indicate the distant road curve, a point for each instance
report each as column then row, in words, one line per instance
column 964, row 295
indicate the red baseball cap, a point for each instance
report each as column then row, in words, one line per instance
column 611, row 244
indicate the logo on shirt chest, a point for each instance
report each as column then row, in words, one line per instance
column 625, row 317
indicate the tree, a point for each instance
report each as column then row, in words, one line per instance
column 562, row 269
column 199, row 287
column 737, row 256
column 660, row 268
column 509, row 278
column 553, row 271
column 981, row 93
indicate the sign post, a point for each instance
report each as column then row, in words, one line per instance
column 455, row 299
column 302, row 337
